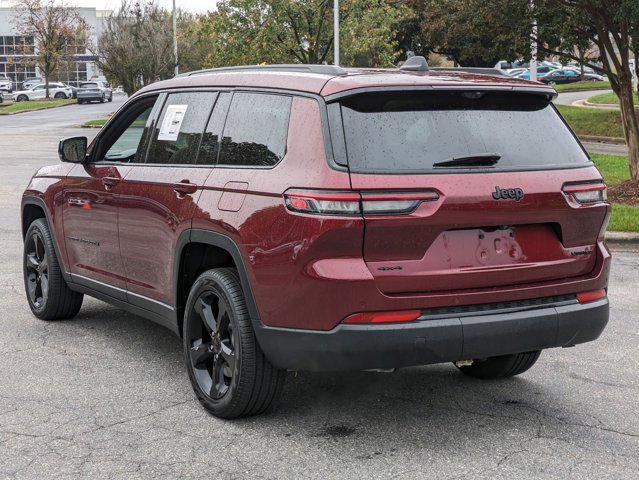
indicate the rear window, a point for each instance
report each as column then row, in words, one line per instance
column 408, row 132
column 88, row 85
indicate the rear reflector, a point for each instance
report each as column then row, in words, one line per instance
column 383, row 317
column 587, row 192
column 585, row 297
column 334, row 202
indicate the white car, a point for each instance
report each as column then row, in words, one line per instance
column 6, row 85
column 56, row 90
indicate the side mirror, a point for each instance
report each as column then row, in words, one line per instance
column 73, row 150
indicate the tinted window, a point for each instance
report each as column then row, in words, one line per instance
column 211, row 140
column 256, row 130
column 178, row 131
column 408, row 132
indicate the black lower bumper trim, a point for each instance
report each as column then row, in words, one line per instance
column 360, row 347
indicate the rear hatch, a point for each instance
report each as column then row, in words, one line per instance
column 492, row 177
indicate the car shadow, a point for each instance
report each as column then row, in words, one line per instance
column 422, row 405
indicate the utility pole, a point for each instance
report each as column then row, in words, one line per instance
column 175, row 49
column 336, row 30
column 533, row 45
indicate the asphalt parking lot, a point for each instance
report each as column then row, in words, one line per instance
column 106, row 395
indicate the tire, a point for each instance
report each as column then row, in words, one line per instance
column 102, row 99
column 111, row 98
column 59, row 95
column 501, row 367
column 48, row 294
column 80, row 102
column 22, row 98
column 229, row 373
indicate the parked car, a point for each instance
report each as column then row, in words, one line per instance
column 56, row 90
column 592, row 77
column 541, row 71
column 515, row 71
column 94, row 91
column 29, row 83
column 317, row 218
column 561, row 75
column 6, row 85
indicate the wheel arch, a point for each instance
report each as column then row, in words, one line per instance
column 200, row 250
column 33, row 208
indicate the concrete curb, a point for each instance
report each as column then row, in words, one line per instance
column 623, row 237
column 573, row 90
column 37, row 109
column 596, row 138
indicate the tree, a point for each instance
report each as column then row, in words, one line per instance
column 54, row 26
column 135, row 47
column 601, row 34
column 296, row 31
column 473, row 33
column 609, row 25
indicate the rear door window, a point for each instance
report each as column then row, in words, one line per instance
column 178, row 131
column 256, row 130
column 408, row 132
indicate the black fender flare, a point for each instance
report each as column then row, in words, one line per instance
column 33, row 200
column 219, row 240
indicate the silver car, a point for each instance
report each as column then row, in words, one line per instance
column 94, row 91
column 29, row 83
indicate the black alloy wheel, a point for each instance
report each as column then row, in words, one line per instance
column 212, row 341
column 37, row 270
column 48, row 294
column 229, row 373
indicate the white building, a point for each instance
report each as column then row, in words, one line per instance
column 15, row 47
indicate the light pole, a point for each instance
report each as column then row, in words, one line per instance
column 533, row 45
column 175, row 49
column 336, row 30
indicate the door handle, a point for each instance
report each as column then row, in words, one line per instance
column 184, row 187
column 110, row 182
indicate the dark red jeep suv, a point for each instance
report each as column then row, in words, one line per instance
column 309, row 217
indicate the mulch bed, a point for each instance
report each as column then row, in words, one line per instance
column 626, row 193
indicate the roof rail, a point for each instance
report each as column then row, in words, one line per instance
column 302, row 67
column 478, row 70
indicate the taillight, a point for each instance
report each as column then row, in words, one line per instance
column 394, row 203
column 384, row 317
column 585, row 297
column 323, row 202
column 333, row 202
column 587, row 193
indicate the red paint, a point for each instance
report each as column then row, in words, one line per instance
column 313, row 271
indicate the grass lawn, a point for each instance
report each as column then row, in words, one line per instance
column 610, row 98
column 95, row 123
column 624, row 218
column 573, row 87
column 614, row 168
column 593, row 121
column 33, row 105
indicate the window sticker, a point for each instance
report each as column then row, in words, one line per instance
column 172, row 122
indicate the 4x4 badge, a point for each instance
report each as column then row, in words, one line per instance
column 508, row 194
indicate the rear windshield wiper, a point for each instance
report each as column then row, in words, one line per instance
column 479, row 160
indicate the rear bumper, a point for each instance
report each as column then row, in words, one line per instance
column 89, row 96
column 437, row 339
